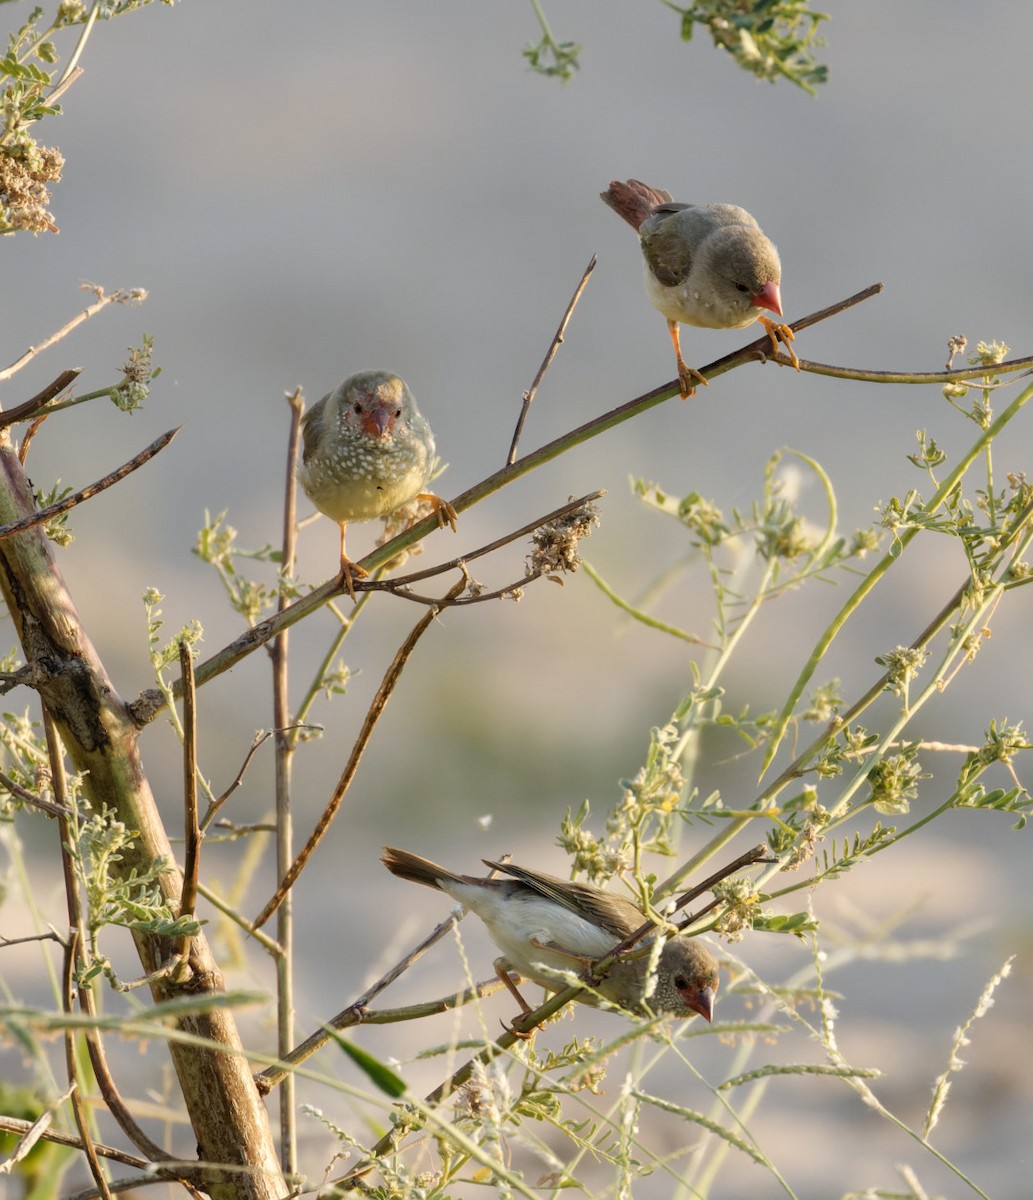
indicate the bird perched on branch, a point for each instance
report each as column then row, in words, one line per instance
column 366, row 451
column 705, row 264
column 543, row 924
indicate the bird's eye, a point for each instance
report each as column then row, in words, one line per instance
column 398, row 412
column 358, row 407
column 681, row 983
column 741, row 287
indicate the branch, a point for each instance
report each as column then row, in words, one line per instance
column 88, row 492
column 41, row 399
column 380, row 700
column 192, row 857
column 550, row 354
column 121, row 296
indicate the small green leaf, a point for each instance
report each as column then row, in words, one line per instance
column 382, row 1075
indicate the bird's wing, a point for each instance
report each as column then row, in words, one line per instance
column 667, row 250
column 610, row 911
column 312, row 425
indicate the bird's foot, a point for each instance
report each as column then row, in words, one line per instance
column 688, row 377
column 443, row 511
column 781, row 335
column 517, row 1031
column 349, row 570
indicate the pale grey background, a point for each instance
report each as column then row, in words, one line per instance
column 312, row 189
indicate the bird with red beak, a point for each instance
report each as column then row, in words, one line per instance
column 708, row 265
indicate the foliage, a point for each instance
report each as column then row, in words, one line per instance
column 770, row 39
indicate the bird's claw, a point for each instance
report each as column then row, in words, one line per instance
column 524, row 1035
column 443, row 511
column 688, row 377
column 349, row 570
column 781, row 335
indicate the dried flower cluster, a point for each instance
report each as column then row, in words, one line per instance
column 556, row 543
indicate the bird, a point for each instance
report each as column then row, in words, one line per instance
column 367, row 450
column 543, row 924
column 708, row 265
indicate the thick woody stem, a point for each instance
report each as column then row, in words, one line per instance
column 101, row 741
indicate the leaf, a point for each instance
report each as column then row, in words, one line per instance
column 391, row 1084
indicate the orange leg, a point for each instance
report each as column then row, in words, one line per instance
column 349, row 569
column 688, row 377
column 781, row 334
column 502, row 971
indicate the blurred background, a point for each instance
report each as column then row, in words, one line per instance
column 312, row 189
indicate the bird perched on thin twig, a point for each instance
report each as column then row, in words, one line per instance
column 543, row 925
column 366, row 451
column 705, row 264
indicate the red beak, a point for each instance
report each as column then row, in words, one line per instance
column 703, row 1002
column 769, row 297
column 378, row 420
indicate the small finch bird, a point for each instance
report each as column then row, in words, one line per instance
column 367, row 450
column 541, row 922
column 705, row 264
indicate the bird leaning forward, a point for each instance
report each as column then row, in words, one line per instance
column 544, row 926
column 708, row 265
column 366, row 451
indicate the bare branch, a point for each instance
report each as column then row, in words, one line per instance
column 121, row 296
column 87, row 493
column 376, row 709
column 192, row 858
column 41, row 399
column 557, row 341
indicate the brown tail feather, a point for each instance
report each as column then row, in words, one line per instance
column 634, row 200
column 414, row 868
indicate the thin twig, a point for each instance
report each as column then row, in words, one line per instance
column 356, row 1013
column 757, row 854
column 376, row 709
column 262, row 736
column 192, row 857
column 41, row 399
column 87, row 493
column 72, row 68
column 71, row 948
column 121, row 296
column 359, row 1012
column 557, row 341
column 71, row 1065
column 27, row 797
column 867, row 375
column 285, row 745
column 17, row 1126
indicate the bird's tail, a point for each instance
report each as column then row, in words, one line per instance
column 634, row 200
column 416, row 869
